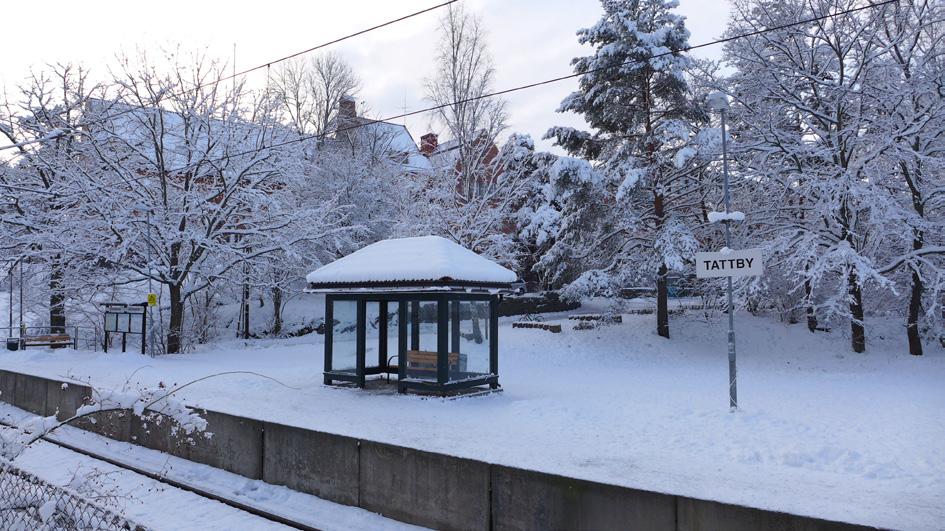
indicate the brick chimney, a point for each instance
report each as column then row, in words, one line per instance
column 428, row 143
column 347, row 108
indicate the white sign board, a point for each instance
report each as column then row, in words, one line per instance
column 744, row 263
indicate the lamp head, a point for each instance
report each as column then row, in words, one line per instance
column 717, row 101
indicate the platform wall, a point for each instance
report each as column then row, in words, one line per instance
column 410, row 485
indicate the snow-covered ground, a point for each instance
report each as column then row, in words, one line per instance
column 820, row 431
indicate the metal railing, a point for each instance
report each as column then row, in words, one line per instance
column 28, row 502
column 84, row 337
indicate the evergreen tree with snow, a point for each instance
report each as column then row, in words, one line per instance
column 633, row 93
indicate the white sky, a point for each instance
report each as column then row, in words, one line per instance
column 530, row 40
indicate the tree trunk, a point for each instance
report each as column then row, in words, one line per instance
column 857, row 330
column 57, row 299
column 245, row 311
column 276, row 311
column 477, row 330
column 811, row 313
column 176, row 325
column 662, row 291
column 662, row 302
column 915, row 312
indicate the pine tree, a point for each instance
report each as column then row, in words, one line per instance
column 634, row 95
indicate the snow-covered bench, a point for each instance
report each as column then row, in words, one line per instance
column 49, row 340
column 553, row 328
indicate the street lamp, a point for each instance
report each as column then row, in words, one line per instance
column 718, row 102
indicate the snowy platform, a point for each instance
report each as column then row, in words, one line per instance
column 821, row 431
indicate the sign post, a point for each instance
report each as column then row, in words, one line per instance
column 728, row 263
column 124, row 319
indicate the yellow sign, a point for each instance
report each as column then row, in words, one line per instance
column 152, row 299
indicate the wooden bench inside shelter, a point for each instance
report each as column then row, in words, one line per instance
column 424, row 360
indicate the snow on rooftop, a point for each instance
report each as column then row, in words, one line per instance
column 424, row 258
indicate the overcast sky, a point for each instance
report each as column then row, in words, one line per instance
column 530, row 40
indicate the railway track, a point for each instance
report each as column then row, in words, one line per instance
column 182, row 485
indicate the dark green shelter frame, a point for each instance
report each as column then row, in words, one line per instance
column 448, row 337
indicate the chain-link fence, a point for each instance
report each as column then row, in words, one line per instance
column 28, row 503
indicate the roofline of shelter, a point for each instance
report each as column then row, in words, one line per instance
column 415, row 286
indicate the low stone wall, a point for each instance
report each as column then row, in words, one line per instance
column 532, row 303
column 321, row 464
column 414, row 486
column 425, row 488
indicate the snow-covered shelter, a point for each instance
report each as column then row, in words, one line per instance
column 425, row 309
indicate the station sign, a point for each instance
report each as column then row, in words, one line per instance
column 729, row 263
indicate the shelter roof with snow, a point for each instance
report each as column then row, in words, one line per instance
column 411, row 264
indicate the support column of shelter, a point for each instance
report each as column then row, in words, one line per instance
column 454, row 326
column 442, row 340
column 401, row 346
column 414, row 325
column 329, row 333
column 494, row 340
column 382, row 355
column 361, row 341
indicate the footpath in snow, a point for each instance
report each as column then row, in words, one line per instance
column 821, row 431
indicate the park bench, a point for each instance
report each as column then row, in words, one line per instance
column 49, row 340
column 615, row 318
column 553, row 328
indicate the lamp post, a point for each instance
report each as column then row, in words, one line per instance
column 719, row 102
column 10, row 300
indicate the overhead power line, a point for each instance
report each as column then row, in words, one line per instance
column 723, row 40
column 241, row 73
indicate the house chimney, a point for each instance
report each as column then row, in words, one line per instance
column 347, row 107
column 428, row 143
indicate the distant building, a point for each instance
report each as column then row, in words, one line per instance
column 382, row 137
column 446, row 156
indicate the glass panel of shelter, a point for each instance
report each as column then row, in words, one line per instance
column 380, row 345
column 469, row 339
column 421, row 355
column 344, row 350
column 379, row 349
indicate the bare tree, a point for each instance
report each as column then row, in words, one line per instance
column 43, row 123
column 191, row 190
column 465, row 73
column 308, row 90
